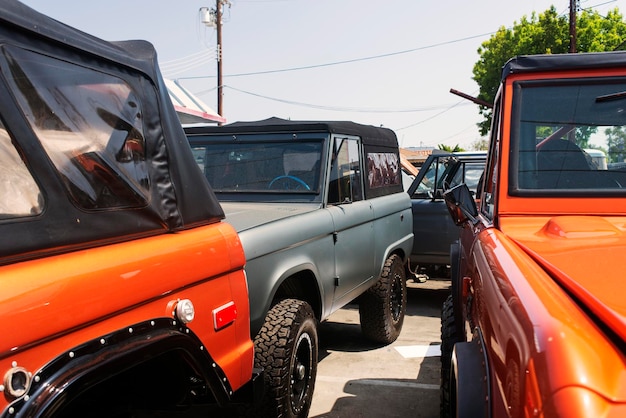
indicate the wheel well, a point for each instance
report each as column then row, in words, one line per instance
column 405, row 261
column 301, row 286
column 165, row 382
column 400, row 253
column 159, row 365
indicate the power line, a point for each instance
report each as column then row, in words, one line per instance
column 373, row 57
column 329, row 64
column 459, row 103
column 340, row 108
column 171, row 68
column 355, row 59
column 447, row 139
column 187, row 58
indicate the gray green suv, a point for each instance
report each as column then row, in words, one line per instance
column 323, row 220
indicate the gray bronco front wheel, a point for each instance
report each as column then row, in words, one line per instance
column 286, row 348
column 382, row 307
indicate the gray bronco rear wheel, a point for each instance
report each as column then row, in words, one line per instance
column 286, row 348
column 382, row 307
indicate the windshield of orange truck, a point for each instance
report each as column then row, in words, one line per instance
column 569, row 136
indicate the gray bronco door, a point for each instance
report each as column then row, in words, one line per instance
column 353, row 220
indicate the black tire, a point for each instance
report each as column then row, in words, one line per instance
column 382, row 306
column 286, row 348
column 456, row 282
column 449, row 337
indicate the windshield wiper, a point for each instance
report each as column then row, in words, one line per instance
column 612, row 96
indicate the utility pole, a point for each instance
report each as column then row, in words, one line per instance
column 213, row 18
column 218, row 28
column 573, row 8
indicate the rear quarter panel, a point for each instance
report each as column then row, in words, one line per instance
column 52, row 305
column 393, row 220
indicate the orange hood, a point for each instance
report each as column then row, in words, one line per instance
column 585, row 254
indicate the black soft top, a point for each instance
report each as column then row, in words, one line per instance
column 370, row 135
column 563, row 62
column 180, row 195
column 139, row 55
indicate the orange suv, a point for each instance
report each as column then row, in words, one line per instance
column 536, row 322
column 122, row 291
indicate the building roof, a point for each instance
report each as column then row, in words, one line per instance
column 190, row 108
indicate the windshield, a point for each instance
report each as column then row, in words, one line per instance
column 569, row 137
column 261, row 167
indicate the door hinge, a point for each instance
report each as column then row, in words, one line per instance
column 336, row 281
column 335, row 235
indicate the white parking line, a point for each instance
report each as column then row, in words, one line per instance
column 413, row 351
column 375, row 382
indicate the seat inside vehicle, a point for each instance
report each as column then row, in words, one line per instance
column 562, row 164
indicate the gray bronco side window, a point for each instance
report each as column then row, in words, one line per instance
column 346, row 183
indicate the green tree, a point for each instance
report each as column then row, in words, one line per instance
column 480, row 144
column 448, row 148
column 616, row 140
column 545, row 33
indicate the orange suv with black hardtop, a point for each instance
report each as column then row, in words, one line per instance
column 536, row 323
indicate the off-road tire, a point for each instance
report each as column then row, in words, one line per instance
column 286, row 348
column 449, row 336
column 382, row 306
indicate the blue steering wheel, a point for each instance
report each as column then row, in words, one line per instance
column 285, row 185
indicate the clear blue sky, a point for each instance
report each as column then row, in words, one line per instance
column 389, row 63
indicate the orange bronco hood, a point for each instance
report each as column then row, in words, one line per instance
column 585, row 254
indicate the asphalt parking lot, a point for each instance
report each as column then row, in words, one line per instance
column 358, row 379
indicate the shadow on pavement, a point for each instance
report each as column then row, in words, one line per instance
column 425, row 299
column 389, row 398
column 342, row 336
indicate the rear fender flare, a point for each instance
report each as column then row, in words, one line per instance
column 94, row 361
column 401, row 247
column 307, row 272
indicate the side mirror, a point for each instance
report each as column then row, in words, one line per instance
column 461, row 204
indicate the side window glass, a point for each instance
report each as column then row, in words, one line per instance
column 458, row 177
column 383, row 169
column 19, row 194
column 431, row 185
column 473, row 173
column 90, row 125
column 426, row 187
column 346, row 185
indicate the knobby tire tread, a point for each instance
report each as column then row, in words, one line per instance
column 273, row 349
column 377, row 323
